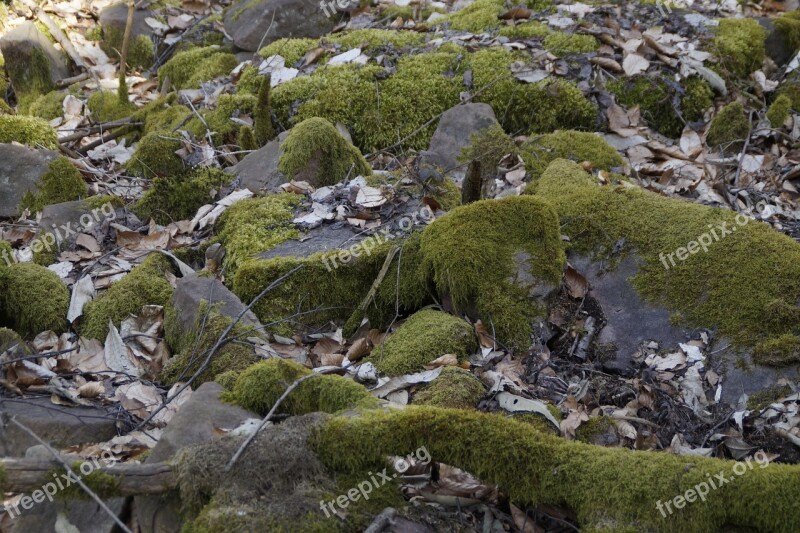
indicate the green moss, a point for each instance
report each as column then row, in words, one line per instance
column 189, row 69
column 247, row 139
column 164, row 115
column 144, row 285
column 697, row 98
column 729, row 128
column 574, row 145
column 141, row 52
column 155, row 156
column 607, row 488
column 94, row 34
column 723, row 287
column 34, row 299
column 260, row 386
column 102, row 484
column 291, row 50
column 779, row 111
column 426, row 335
column 792, row 90
column 316, row 152
column 570, row 43
column 592, row 428
column 477, row 17
column 32, row 131
column 98, row 201
column 739, row 45
column 47, row 106
column 789, row 25
column 179, row 197
column 230, row 106
column 372, row 40
column 455, row 388
column 31, row 77
column 106, row 106
column 61, row 183
column 5, row 109
column 526, row 30
column 482, row 272
column 779, row 351
column 764, row 398
column 262, row 117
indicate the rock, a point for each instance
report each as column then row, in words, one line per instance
column 741, row 376
column 21, row 169
column 455, row 128
column 83, row 515
column 57, row 425
column 247, row 21
column 32, row 63
column 776, row 44
column 324, row 238
column 65, row 220
column 258, row 171
column 197, row 422
column 113, row 20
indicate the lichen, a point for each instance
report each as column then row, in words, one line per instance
column 33, row 299
column 455, row 388
column 316, row 152
column 577, row 146
column 570, row 43
column 729, row 128
column 189, row 69
column 174, row 198
column 155, row 156
column 739, row 45
column 106, row 106
column 779, row 111
column 32, row 131
column 146, row 284
column 426, row 335
column 61, row 183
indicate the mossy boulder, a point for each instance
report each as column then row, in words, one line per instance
column 573, row 145
column 141, row 51
column 32, row 63
column 317, row 153
column 174, row 198
column 189, row 69
column 61, row 183
column 33, row 299
column 106, row 106
column 426, row 335
column 729, row 128
column 32, row 131
column 455, row 388
column 739, row 46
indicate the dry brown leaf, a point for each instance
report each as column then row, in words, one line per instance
column 516, row 13
column 577, row 284
column 606, row 63
column 524, row 522
column 92, row 389
column 359, row 350
column 445, row 360
column 486, row 340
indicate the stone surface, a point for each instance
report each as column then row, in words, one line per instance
column 20, row 170
column 455, row 128
column 116, row 16
column 86, row 516
column 17, row 47
column 247, row 21
column 324, row 238
column 258, row 171
column 741, row 376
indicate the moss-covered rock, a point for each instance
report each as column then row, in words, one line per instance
column 189, row 69
column 155, row 156
column 291, row 50
column 574, row 145
column 32, row 131
column 779, row 111
column 570, row 43
column 729, row 128
column 789, row 25
column 426, row 335
column 47, row 106
column 106, row 106
column 33, row 299
column 260, row 386
column 317, row 153
column 497, row 259
column 146, row 284
column 739, row 45
column 455, row 388
column 174, row 198
column 61, row 183
column 222, row 120
column 141, row 52
column 766, row 397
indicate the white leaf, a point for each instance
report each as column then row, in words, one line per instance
column 513, row 403
column 635, row 64
column 82, row 293
column 116, row 353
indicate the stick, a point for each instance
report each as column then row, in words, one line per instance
column 98, row 128
column 123, row 56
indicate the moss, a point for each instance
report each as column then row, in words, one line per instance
column 94, row 34
column 739, row 45
column 247, row 139
column 230, row 106
column 102, row 484
column 260, row 386
column 454, row 388
column 593, row 428
column 574, row 145
column 729, row 128
column 32, row 131
column 106, row 106
column 47, row 106
column 146, row 284
column 316, row 152
column 426, row 335
column 477, row 17
column 792, row 90
column 721, row 287
column 779, row 111
column 166, row 116
column 61, row 183
column 291, row 50
column 764, row 398
column 537, row 421
column 373, row 40
column 697, row 98
column 31, row 77
column 5, row 109
column 607, row 488
column 141, row 52
column 174, row 198
column 569, row 43
column 34, row 299
column 789, row 25
column 155, row 156
column 262, row 117
column 779, row 351
column 483, row 272
column 98, row 201
column 526, row 30
column 189, row 69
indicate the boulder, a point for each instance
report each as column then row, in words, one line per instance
column 258, row 171
column 254, row 24
column 32, row 63
column 455, row 129
column 776, row 44
column 21, row 169
column 113, row 20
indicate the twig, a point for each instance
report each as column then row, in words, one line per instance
column 66, row 82
column 98, row 128
column 744, row 149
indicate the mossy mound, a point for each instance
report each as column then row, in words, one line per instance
column 179, row 197
column 222, row 121
column 32, row 131
column 316, row 152
column 455, row 388
column 61, row 183
column 491, row 256
column 373, row 40
column 526, row 30
column 155, row 156
column 33, row 299
column 260, row 386
column 189, row 69
column 47, row 106
column 729, row 128
column 569, row 43
column 789, row 25
column 574, row 145
column 141, row 52
column 291, row 50
column 146, row 284
column 704, row 264
column 779, row 111
column 106, row 106
column 426, row 335
column 739, row 45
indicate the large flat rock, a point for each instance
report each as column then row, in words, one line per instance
column 20, row 170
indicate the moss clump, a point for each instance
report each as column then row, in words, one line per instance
column 779, row 111
column 779, row 351
column 372, row 40
column 141, row 52
column 569, row 43
column 595, row 427
column 291, row 50
column 144, row 285
column 230, row 106
column 426, row 335
column 574, row 145
column 32, row 77
column 260, row 386
column 488, row 147
column 179, row 197
column 514, row 250
column 455, row 388
column 526, row 30
column 47, row 106
column 5, row 109
column 102, row 484
column 61, row 183
column 189, row 69
column 106, row 106
column 697, row 98
column 477, row 17
column 32, row 131
column 729, row 128
column 789, row 25
column 316, row 152
column 792, row 90
column 33, row 299
column 763, row 399
column 262, row 117
column 155, row 156
column 739, row 45
column 723, row 287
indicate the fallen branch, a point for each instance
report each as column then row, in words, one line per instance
column 98, row 128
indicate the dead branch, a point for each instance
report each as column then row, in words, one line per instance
column 97, row 128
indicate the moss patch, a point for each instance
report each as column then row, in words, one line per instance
column 179, row 197
column 779, row 111
column 763, row 399
column 739, row 45
column 31, row 77
column 729, row 128
column 789, row 25
column 291, row 50
column 574, row 145
column 61, row 183
column 570, row 43
column 155, row 156
column 141, row 52
column 23, row 129
column 106, row 106
column 189, row 69
column 33, row 299
column 47, row 106
column 372, row 40
column 455, row 388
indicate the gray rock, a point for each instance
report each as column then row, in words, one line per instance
column 247, row 21
column 741, row 376
column 455, row 128
column 57, row 425
column 87, row 516
column 776, row 43
column 258, row 171
column 113, row 20
column 324, row 238
column 22, row 49
column 20, row 170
